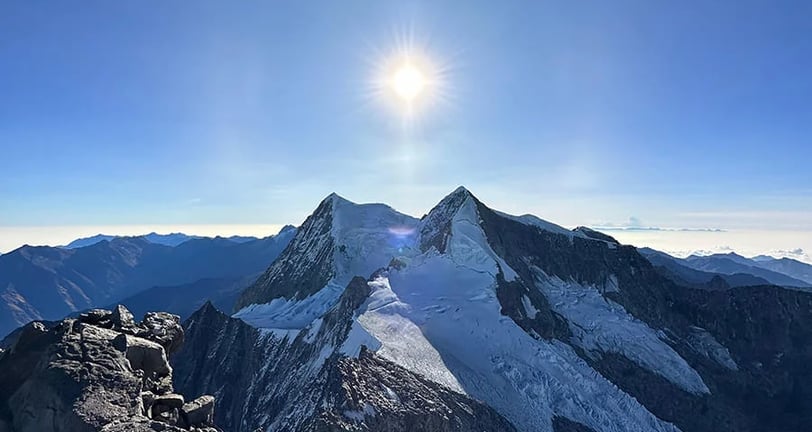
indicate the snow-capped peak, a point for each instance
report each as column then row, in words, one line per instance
column 336, row 199
column 339, row 241
column 436, row 225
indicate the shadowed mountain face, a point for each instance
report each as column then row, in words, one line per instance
column 49, row 283
column 369, row 310
column 185, row 299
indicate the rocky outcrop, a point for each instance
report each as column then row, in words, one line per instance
column 102, row 371
column 387, row 397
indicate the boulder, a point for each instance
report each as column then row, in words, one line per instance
column 172, row 400
column 122, row 319
column 199, row 411
column 163, row 328
column 99, row 317
column 145, row 355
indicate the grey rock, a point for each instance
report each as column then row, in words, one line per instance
column 147, row 399
column 199, row 411
column 122, row 318
column 145, row 355
column 141, row 425
column 74, row 376
column 96, row 317
column 163, row 328
column 171, row 400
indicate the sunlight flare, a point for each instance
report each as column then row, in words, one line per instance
column 407, row 79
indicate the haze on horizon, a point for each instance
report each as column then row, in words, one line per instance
column 238, row 118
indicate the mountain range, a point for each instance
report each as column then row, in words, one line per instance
column 48, row 283
column 472, row 319
column 735, row 269
column 365, row 318
column 172, row 239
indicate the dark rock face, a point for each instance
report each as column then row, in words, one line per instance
column 291, row 278
column 304, row 383
column 563, row 424
column 387, row 397
column 220, row 354
column 436, row 226
column 100, row 372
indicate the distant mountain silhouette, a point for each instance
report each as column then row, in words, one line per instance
column 680, row 272
column 172, row 239
column 40, row 282
column 732, row 263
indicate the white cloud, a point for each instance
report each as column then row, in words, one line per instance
column 635, row 224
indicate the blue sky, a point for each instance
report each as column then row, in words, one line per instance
column 681, row 114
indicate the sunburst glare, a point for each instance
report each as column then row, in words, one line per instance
column 407, row 79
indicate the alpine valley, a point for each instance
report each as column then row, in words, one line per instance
column 467, row 319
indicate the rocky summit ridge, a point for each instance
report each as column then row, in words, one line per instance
column 101, row 371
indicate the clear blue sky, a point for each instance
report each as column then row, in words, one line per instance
column 682, row 114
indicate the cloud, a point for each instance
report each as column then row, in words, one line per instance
column 797, row 254
column 635, row 224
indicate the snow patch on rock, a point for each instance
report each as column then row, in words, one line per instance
column 704, row 343
column 601, row 325
column 530, row 311
column 282, row 313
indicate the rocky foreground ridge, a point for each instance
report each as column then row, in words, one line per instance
column 102, row 371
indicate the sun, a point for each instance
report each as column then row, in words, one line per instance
column 408, row 82
column 409, row 78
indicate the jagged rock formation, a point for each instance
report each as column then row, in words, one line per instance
column 102, row 371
